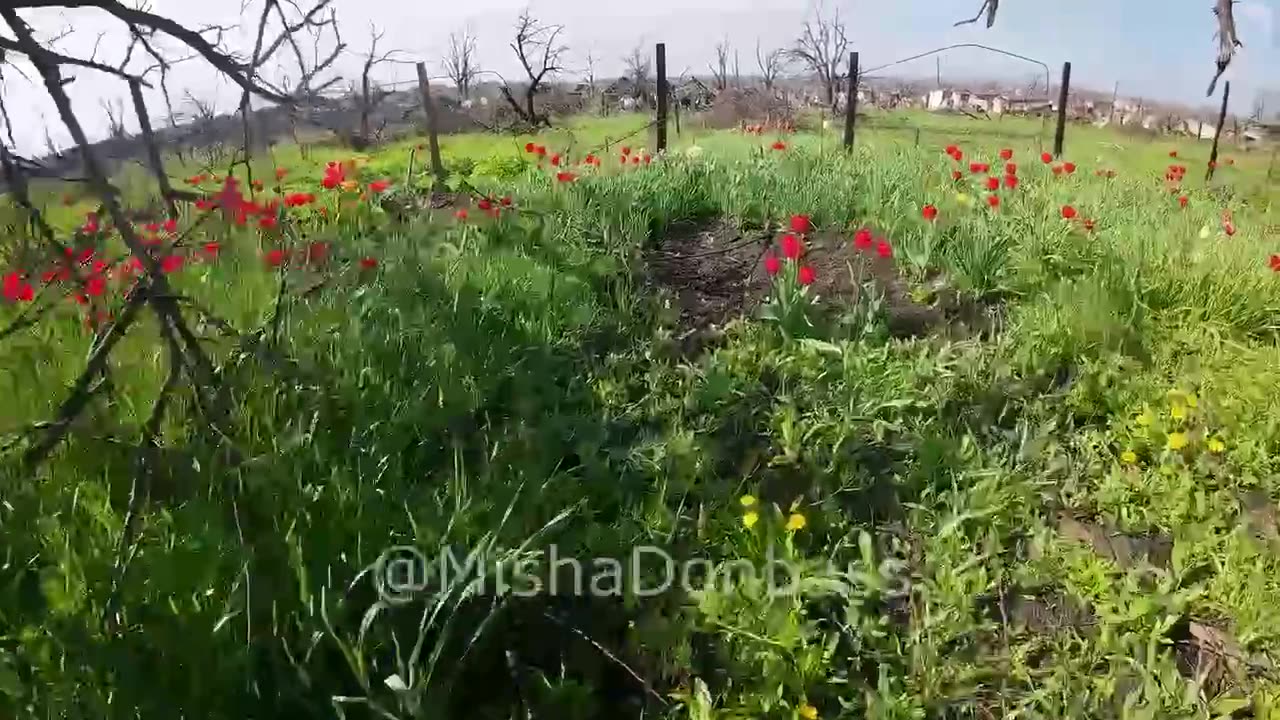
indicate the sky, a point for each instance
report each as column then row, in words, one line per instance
column 1155, row 49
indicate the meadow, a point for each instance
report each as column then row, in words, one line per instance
column 1011, row 421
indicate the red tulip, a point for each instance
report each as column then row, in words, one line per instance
column 280, row 173
column 956, row 175
column 317, row 252
column 952, row 150
column 1011, row 181
column 862, row 240
column 171, row 263
column 929, row 212
column 779, row 145
column 461, row 214
column 555, row 160
column 378, row 187
column 1228, row 227
column 626, row 150
column 1046, row 158
column 1068, row 212
column 528, row 147
column 267, row 223
column 211, row 249
column 484, row 204
column 883, row 249
column 792, row 248
column 506, row 201
column 368, row 263
column 1011, row 169
column 1275, row 263
column 1182, row 201
column 1006, row 154
column 1088, row 224
column 566, row 177
column 1069, row 167
column 17, row 289
column 772, row 264
column 1057, row 169
column 800, row 224
column 807, row 275
column 993, row 183
column 993, row 201
column 171, row 226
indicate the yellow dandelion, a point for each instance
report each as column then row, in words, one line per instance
column 808, row 712
column 964, row 199
column 750, row 518
column 796, row 522
column 1129, row 456
column 1144, row 418
column 1178, row 411
column 1177, row 441
column 1216, row 445
column 747, row 500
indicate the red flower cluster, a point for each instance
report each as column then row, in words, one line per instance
column 1175, row 173
column 591, row 160
column 864, row 241
column 565, row 177
column 792, row 247
column 294, row 200
column 955, row 153
column 534, row 149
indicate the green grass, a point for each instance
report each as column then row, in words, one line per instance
column 507, row 386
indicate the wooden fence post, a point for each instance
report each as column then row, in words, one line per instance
column 1059, row 135
column 153, row 151
column 1217, row 134
column 851, row 101
column 433, row 139
column 662, row 96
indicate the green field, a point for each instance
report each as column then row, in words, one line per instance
column 1014, row 464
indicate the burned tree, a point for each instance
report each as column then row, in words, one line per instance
column 536, row 46
column 114, row 110
column 720, row 71
column 369, row 96
column 822, row 47
column 637, row 67
column 770, row 65
column 460, row 62
column 1224, row 17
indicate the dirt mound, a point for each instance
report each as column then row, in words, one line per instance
column 715, row 273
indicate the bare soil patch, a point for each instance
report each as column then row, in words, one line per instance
column 714, row 272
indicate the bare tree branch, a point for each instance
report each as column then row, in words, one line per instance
column 988, row 6
column 822, row 46
column 1228, row 41
column 770, row 65
column 460, row 62
column 533, row 38
column 720, row 71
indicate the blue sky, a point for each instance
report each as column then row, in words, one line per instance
column 1159, row 49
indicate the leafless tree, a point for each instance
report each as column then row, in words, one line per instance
column 1224, row 14
column 822, row 46
column 637, row 66
column 114, row 110
column 770, row 65
column 460, row 62
column 536, row 45
column 370, row 95
column 720, row 71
